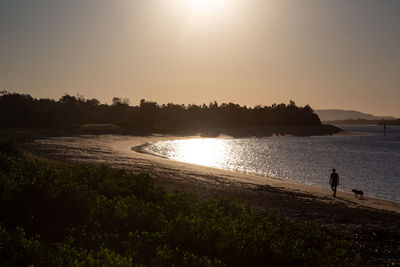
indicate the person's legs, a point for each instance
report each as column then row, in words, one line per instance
column 334, row 190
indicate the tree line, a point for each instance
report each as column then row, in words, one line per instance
column 22, row 110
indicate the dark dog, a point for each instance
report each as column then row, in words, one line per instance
column 358, row 192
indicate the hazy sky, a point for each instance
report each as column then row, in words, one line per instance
column 329, row 54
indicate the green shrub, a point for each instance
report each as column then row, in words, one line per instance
column 8, row 145
column 63, row 214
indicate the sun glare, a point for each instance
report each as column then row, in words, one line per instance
column 205, row 9
column 199, row 15
column 206, row 6
column 208, row 152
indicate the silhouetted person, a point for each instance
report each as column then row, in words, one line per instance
column 334, row 181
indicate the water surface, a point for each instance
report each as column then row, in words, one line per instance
column 369, row 161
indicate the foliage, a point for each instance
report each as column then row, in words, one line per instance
column 8, row 145
column 62, row 214
column 18, row 110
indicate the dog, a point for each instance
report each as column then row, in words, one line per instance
column 358, row 192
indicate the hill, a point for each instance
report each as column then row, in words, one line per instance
column 339, row 114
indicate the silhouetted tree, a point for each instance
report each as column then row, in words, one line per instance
column 19, row 110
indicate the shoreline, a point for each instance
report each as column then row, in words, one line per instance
column 116, row 151
column 110, row 191
column 372, row 220
column 140, row 148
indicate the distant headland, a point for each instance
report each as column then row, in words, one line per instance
column 342, row 117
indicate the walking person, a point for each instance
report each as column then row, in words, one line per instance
column 334, row 181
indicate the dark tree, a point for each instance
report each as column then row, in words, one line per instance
column 19, row 110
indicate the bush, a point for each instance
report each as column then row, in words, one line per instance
column 62, row 214
column 8, row 145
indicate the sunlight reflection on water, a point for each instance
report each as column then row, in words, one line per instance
column 208, row 152
column 368, row 162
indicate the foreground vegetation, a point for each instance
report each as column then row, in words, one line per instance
column 60, row 214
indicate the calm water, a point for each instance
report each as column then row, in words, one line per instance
column 369, row 161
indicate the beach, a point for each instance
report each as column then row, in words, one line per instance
column 296, row 201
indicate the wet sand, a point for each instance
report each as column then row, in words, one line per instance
column 294, row 200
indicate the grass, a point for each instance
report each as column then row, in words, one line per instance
column 65, row 214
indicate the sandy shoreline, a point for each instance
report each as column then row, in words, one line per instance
column 294, row 200
column 322, row 193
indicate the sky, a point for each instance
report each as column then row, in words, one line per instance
column 329, row 54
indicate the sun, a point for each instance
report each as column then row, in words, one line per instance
column 206, row 5
column 204, row 8
column 203, row 16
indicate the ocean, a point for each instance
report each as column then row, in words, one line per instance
column 368, row 160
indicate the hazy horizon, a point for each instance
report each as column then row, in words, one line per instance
column 330, row 55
